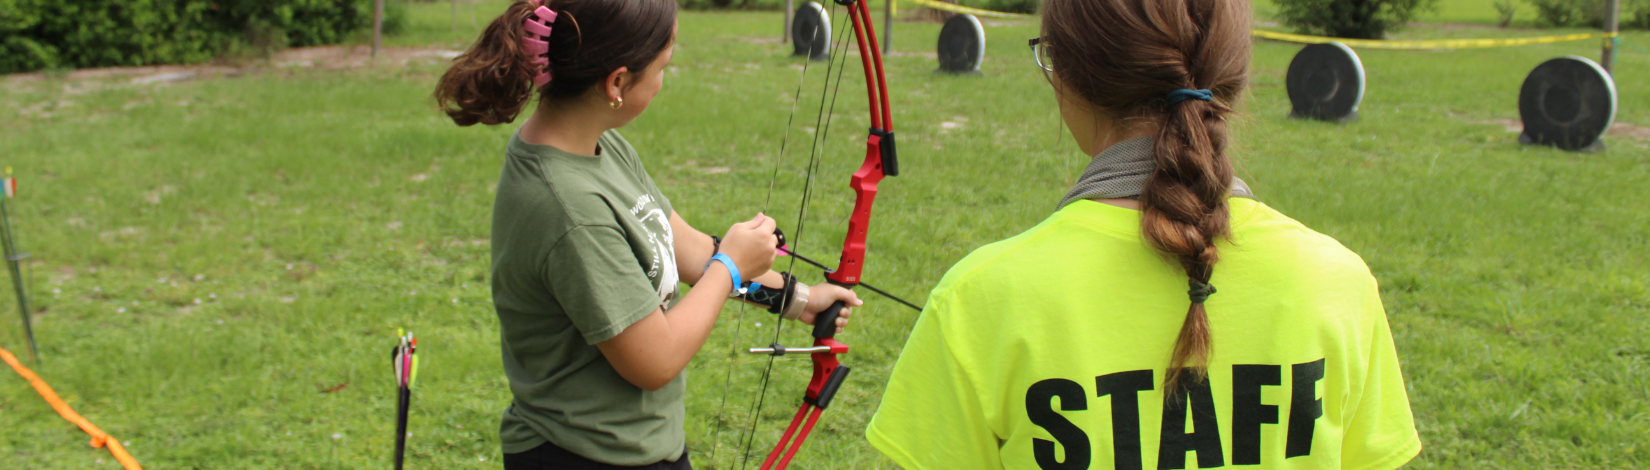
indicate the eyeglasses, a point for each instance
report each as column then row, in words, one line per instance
column 1039, row 51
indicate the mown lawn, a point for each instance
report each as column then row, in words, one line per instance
column 211, row 255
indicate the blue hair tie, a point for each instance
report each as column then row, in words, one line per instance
column 1185, row 94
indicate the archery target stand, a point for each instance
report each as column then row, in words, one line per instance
column 1325, row 82
column 1567, row 103
column 811, row 32
column 962, row 45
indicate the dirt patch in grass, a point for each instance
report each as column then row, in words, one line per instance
column 1618, row 129
column 1630, row 130
column 335, row 57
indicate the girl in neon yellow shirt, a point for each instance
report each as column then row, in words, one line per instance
column 1097, row 339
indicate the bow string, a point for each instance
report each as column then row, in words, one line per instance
column 881, row 160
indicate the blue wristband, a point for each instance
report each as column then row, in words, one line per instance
column 733, row 269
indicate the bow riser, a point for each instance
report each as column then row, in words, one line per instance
column 864, row 184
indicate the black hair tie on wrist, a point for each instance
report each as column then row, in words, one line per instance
column 1200, row 291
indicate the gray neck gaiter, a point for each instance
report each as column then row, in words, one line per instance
column 1121, row 172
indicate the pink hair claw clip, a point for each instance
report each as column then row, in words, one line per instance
column 537, row 42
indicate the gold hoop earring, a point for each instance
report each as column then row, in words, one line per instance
column 616, row 104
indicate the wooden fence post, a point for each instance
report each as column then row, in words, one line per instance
column 377, row 26
column 790, row 9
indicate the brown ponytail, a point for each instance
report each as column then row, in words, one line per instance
column 492, row 81
column 1125, row 57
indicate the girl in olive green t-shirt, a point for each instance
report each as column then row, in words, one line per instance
column 587, row 251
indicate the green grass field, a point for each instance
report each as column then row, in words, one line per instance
column 211, row 256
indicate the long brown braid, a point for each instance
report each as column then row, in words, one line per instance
column 1125, row 57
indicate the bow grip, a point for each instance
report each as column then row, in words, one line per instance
column 825, row 323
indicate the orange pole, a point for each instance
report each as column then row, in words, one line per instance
column 99, row 438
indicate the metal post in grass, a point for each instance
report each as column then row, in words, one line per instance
column 377, row 26
column 888, row 26
column 1612, row 15
column 14, row 260
column 790, row 8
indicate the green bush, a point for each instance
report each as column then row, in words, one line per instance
column 304, row 22
column 1635, row 14
column 93, row 33
column 1010, row 6
column 1562, row 13
column 1362, row 19
column 1504, row 11
column 738, row 4
column 395, row 17
column 1013, row 6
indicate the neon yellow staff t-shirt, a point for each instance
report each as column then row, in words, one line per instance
column 1049, row 350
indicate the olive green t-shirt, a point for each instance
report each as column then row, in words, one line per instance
column 582, row 249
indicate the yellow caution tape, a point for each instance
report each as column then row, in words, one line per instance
column 1305, row 39
column 1429, row 44
column 966, row 10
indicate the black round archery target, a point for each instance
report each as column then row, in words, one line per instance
column 962, row 44
column 1326, row 82
column 1567, row 103
column 811, row 31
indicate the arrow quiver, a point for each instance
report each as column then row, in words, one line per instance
column 405, row 362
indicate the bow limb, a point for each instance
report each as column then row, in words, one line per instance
column 880, row 157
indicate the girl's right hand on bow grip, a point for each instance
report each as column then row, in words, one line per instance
column 751, row 244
